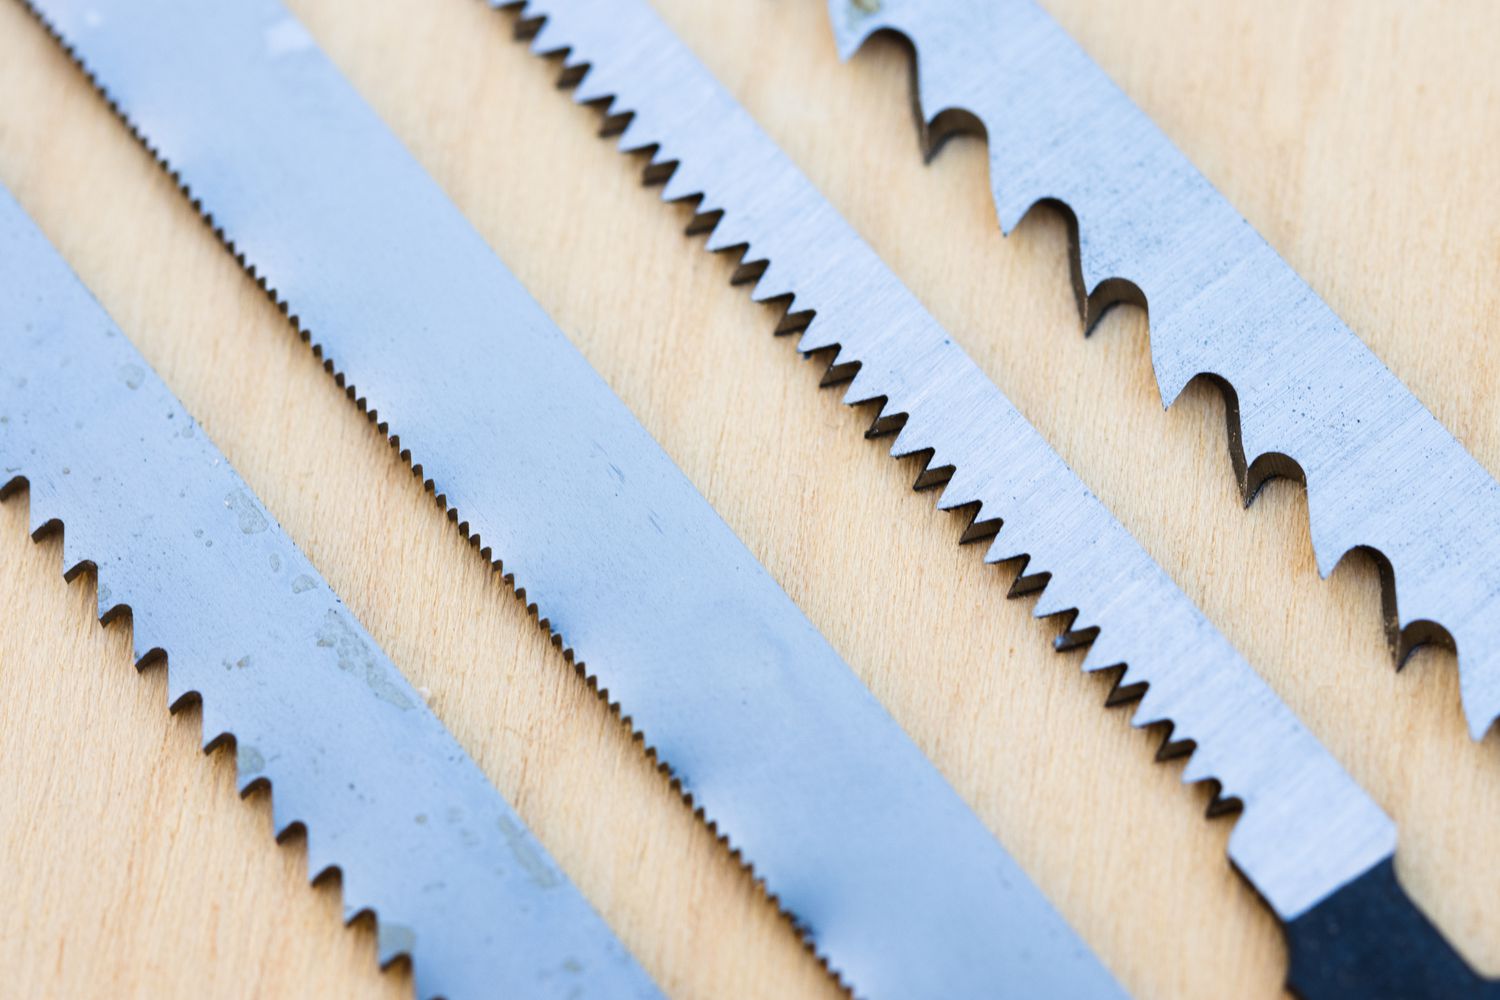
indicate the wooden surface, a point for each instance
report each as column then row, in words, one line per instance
column 1361, row 137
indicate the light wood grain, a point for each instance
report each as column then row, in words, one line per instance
column 1362, row 138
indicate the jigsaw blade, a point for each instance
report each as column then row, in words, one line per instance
column 891, row 879
column 313, row 706
column 1309, row 839
column 1306, row 398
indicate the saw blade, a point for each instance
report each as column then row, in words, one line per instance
column 314, row 707
column 888, row 875
column 1306, row 398
column 1306, row 826
column 1308, row 835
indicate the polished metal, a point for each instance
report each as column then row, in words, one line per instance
column 352, row 753
column 890, row 877
column 1306, row 398
column 1306, row 827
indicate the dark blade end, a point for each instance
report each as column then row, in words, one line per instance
column 1370, row 940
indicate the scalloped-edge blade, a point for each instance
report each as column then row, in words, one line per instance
column 351, row 752
column 894, row 882
column 1309, row 399
column 1306, row 827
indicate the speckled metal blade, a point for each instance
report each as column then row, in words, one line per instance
column 1306, row 828
column 1306, row 398
column 353, row 755
column 893, row 880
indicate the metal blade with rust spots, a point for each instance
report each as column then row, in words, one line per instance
column 352, row 753
column 891, row 878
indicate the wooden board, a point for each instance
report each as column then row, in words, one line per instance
column 1362, row 137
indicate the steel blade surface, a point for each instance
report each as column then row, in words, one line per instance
column 893, row 880
column 1306, row 828
column 351, row 751
column 1308, row 399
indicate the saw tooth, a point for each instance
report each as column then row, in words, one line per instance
column 840, row 368
column 817, row 337
column 980, row 528
column 914, row 435
column 107, row 609
column 749, row 271
column 1016, row 541
column 540, row 31
column 214, row 726
column 39, row 524
column 75, row 555
column 727, row 236
column 1076, row 638
column 886, row 421
column 250, row 765
column 595, row 87
column 772, row 284
column 704, row 220
column 683, row 185
column 659, row 169
column 1101, row 655
column 394, row 941
column 962, row 491
column 285, row 821
column 147, row 645
column 180, row 691
column 1332, row 540
column 1195, row 771
column 635, row 137
column 862, row 387
column 1053, row 602
column 353, row 911
column 1152, row 709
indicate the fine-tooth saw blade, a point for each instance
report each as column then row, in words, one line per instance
column 891, row 878
column 315, row 709
column 1306, row 398
column 1309, row 839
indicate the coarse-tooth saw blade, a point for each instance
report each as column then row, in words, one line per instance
column 890, row 877
column 1309, row 839
column 1305, row 397
column 315, row 709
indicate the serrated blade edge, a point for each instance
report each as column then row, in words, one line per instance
column 315, row 709
column 1306, row 828
column 892, row 880
column 1307, row 398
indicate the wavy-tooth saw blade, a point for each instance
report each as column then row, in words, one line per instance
column 1309, row 839
column 890, row 877
column 316, row 710
column 1306, row 398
